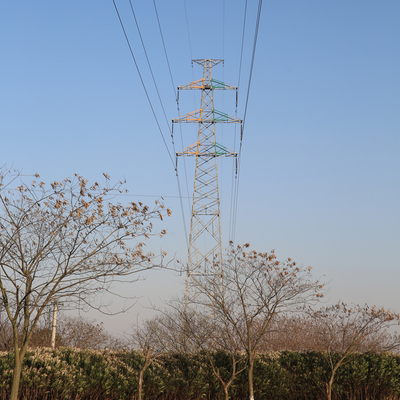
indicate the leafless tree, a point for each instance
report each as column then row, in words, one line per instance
column 345, row 330
column 300, row 332
column 40, row 338
column 148, row 342
column 210, row 334
column 293, row 332
column 67, row 241
column 194, row 329
column 249, row 290
column 171, row 330
column 72, row 331
column 83, row 333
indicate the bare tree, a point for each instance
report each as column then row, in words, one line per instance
column 344, row 330
column 293, row 332
column 195, row 329
column 146, row 340
column 40, row 338
column 300, row 332
column 67, row 241
column 249, row 290
column 212, row 334
column 83, row 333
column 171, row 330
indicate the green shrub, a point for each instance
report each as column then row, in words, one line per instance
column 90, row 374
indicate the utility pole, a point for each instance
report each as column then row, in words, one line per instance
column 53, row 331
column 205, row 242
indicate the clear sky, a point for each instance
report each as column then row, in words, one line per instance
column 320, row 166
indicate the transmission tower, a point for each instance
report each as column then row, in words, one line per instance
column 205, row 242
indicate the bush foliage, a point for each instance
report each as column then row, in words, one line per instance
column 92, row 374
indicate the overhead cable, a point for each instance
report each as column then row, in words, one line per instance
column 165, row 50
column 245, row 110
column 234, row 170
column 144, row 86
column 175, row 93
column 172, row 136
column 187, row 28
column 150, row 103
column 151, row 71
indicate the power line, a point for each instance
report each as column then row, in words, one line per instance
column 221, row 167
column 187, row 28
column 234, row 173
column 151, row 106
column 165, row 49
column 148, row 195
column 190, row 47
column 241, row 50
column 175, row 93
column 252, row 62
column 245, row 111
column 194, row 96
column 184, row 161
column 183, row 214
column 144, row 86
column 120, row 194
column 151, row 71
column 165, row 115
column 172, row 136
column 223, row 29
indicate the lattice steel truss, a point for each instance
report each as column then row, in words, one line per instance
column 205, row 223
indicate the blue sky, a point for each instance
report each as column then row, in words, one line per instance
column 320, row 164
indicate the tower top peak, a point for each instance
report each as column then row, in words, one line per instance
column 202, row 61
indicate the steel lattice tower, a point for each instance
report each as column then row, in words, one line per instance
column 205, row 223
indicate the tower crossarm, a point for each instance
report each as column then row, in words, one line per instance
column 208, row 117
column 211, row 150
column 200, row 84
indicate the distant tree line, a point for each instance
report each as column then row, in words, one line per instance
column 72, row 331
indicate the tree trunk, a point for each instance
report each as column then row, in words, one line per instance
column 251, row 390
column 140, row 384
column 329, row 388
column 226, row 392
column 224, row 384
column 330, row 383
column 16, row 377
column 147, row 362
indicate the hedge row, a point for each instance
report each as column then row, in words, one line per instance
column 89, row 374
